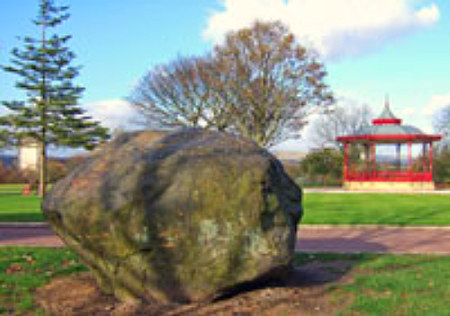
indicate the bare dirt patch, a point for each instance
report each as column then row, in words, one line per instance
column 309, row 290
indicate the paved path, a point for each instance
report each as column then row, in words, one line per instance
column 311, row 238
column 339, row 190
column 374, row 239
column 35, row 234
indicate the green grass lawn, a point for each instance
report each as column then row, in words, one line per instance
column 374, row 284
column 389, row 284
column 320, row 208
column 17, row 208
column 379, row 209
column 22, row 270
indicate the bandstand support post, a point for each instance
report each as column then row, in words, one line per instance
column 430, row 146
column 424, row 158
column 367, row 160
column 409, row 157
column 373, row 159
column 346, row 160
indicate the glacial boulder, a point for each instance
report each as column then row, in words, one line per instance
column 178, row 217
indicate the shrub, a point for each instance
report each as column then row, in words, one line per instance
column 293, row 169
column 12, row 174
column 323, row 167
column 56, row 169
column 441, row 165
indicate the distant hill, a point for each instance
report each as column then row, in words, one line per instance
column 292, row 156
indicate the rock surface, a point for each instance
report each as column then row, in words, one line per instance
column 177, row 217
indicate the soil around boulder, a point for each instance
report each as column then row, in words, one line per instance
column 306, row 291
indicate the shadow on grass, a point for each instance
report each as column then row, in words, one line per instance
column 310, row 271
column 11, row 193
column 413, row 219
column 21, row 217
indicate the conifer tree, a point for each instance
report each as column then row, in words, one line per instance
column 50, row 112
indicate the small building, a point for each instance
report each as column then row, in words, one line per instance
column 28, row 154
column 388, row 156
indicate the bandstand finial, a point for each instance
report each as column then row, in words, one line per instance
column 386, row 101
column 387, row 113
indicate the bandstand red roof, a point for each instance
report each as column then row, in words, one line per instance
column 389, row 129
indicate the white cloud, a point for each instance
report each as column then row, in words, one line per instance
column 411, row 113
column 428, row 15
column 436, row 102
column 407, row 113
column 335, row 28
column 114, row 114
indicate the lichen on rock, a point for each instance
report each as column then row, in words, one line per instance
column 177, row 217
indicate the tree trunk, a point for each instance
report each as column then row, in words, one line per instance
column 42, row 170
column 44, row 103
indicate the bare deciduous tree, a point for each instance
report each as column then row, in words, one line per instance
column 441, row 121
column 342, row 120
column 173, row 95
column 259, row 83
column 271, row 81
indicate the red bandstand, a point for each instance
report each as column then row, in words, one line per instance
column 388, row 156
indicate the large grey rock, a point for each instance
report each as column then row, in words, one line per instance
column 179, row 217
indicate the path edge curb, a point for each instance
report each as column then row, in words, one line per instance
column 24, row 225
column 300, row 227
column 370, row 227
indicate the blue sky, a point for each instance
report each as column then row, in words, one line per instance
column 370, row 48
